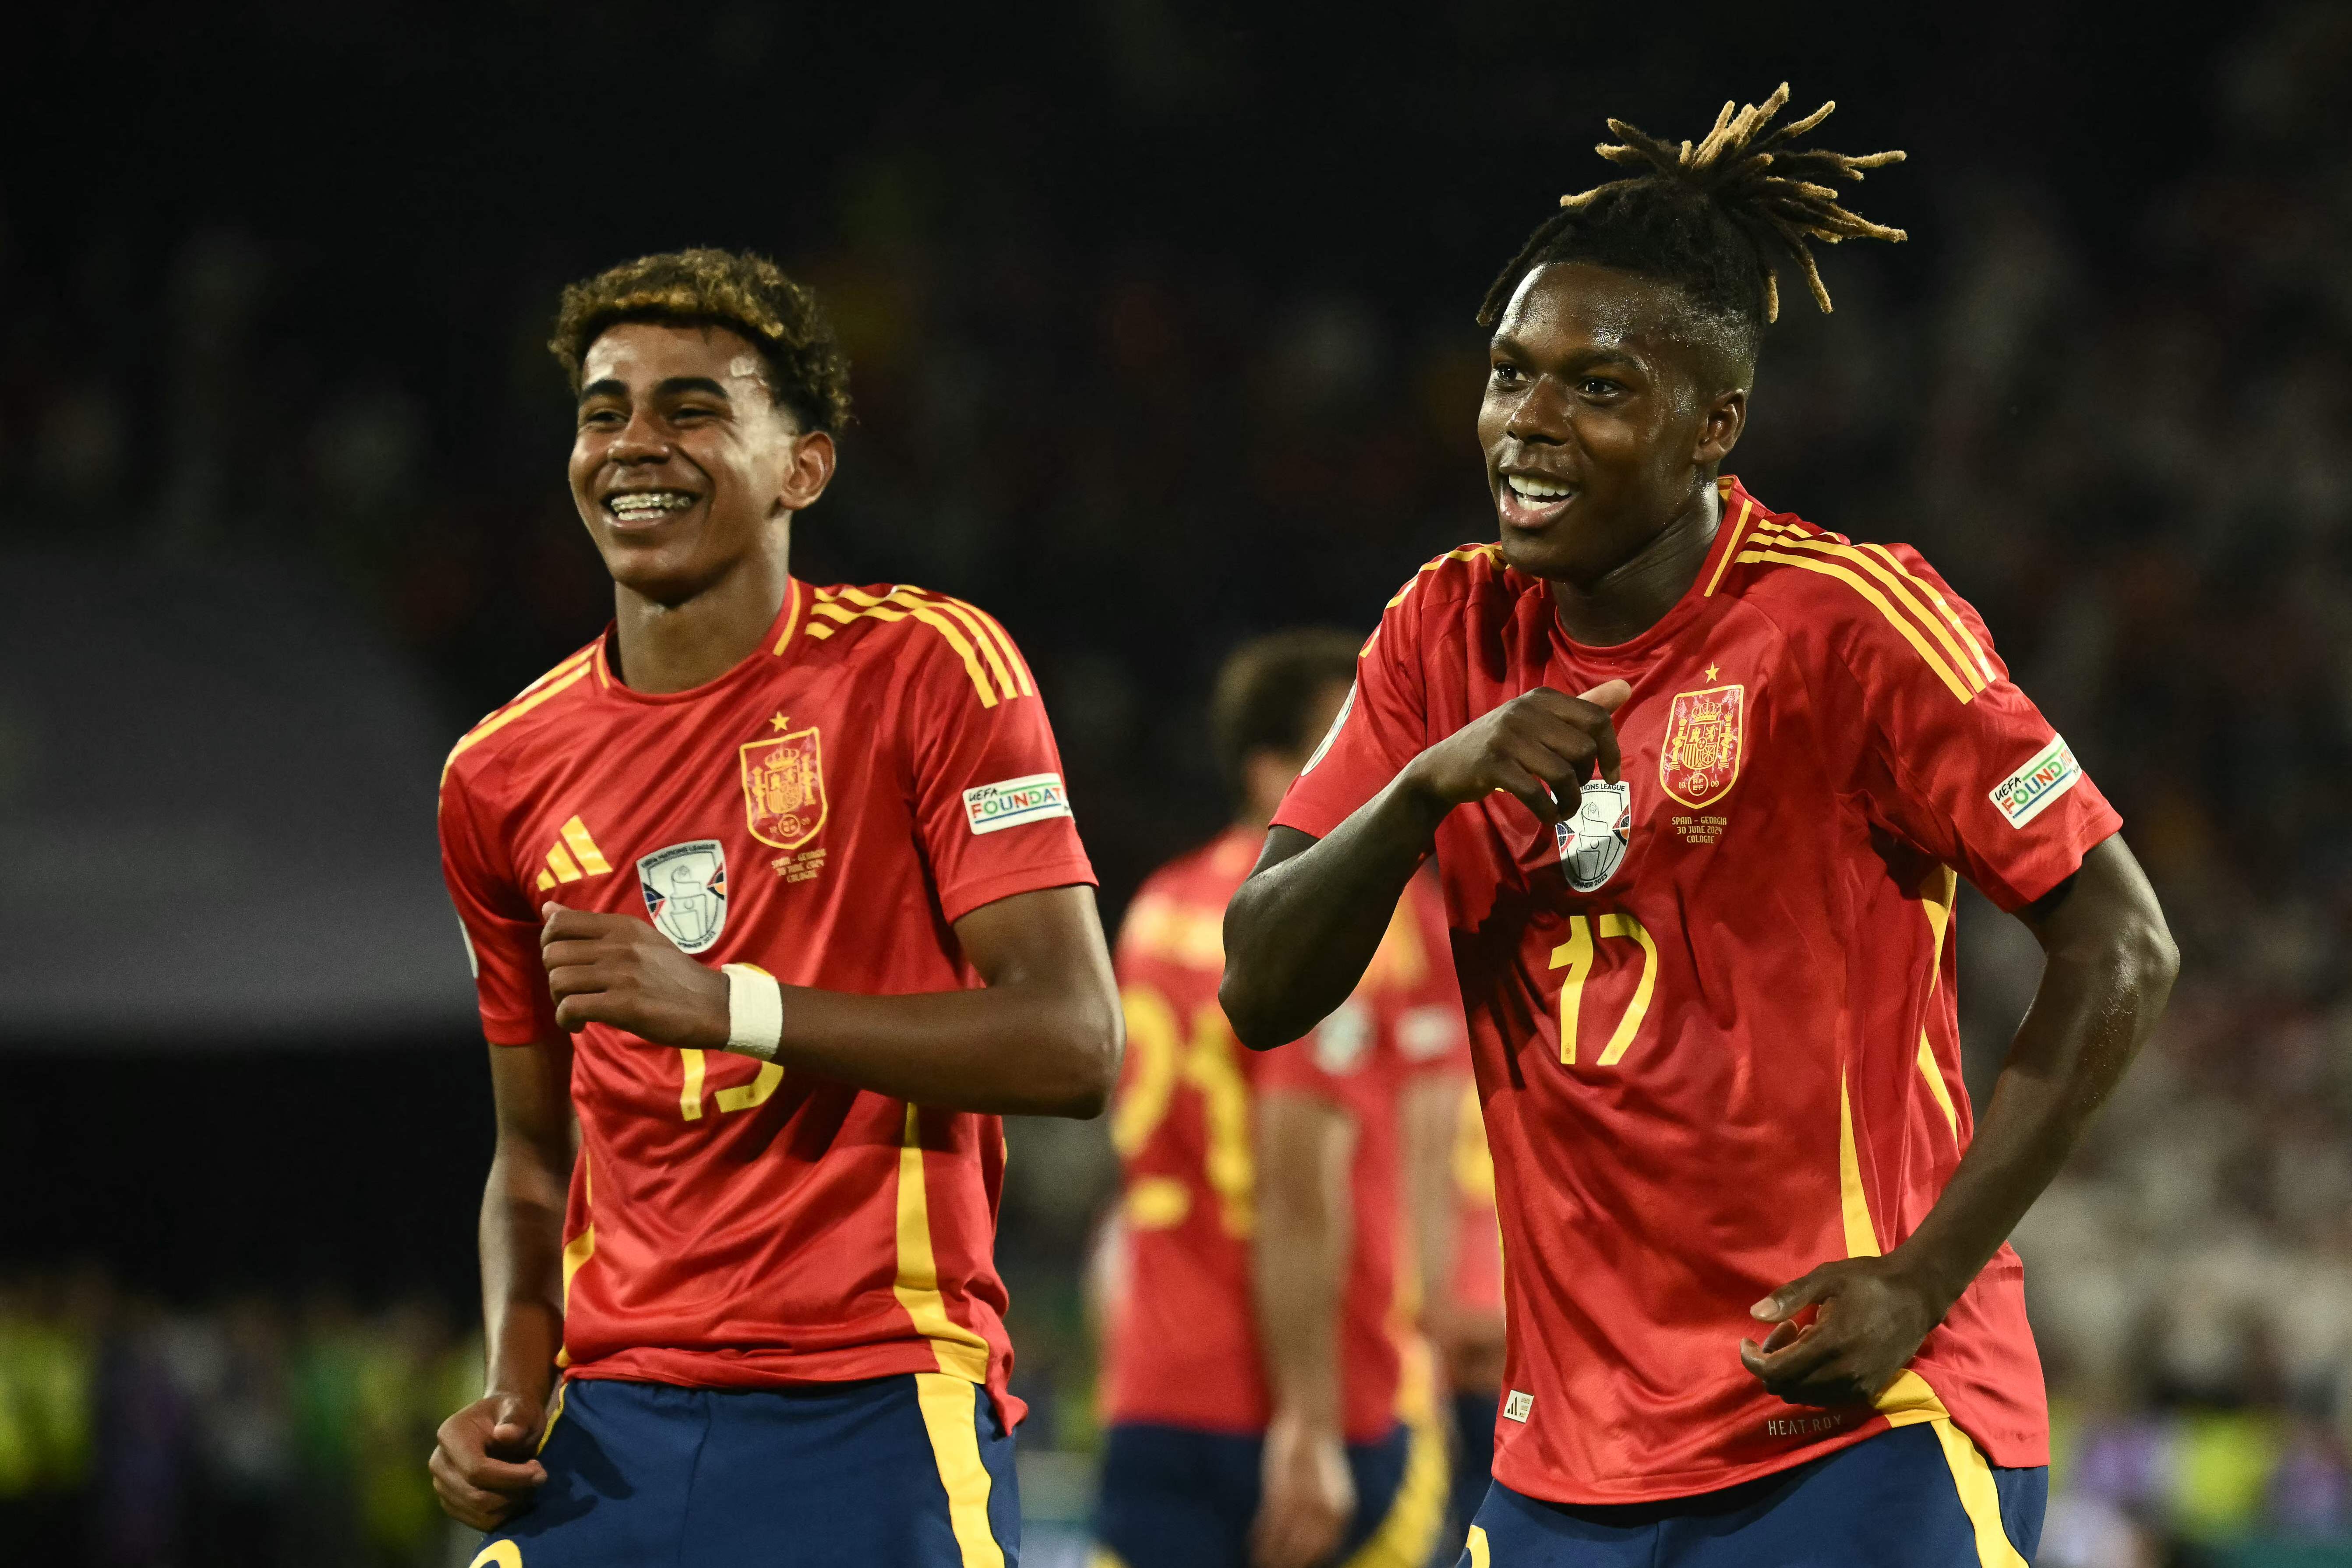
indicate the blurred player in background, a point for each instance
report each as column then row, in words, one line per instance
column 767, row 1276
column 1473, row 1339
column 1701, row 914
column 1268, row 1399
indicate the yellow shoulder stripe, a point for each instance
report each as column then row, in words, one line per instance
column 562, row 677
column 1465, row 552
column 1730, row 546
column 978, row 641
column 1983, row 664
column 1907, row 590
column 1960, row 689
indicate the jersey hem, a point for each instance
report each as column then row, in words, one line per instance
column 1674, row 1484
column 754, row 1369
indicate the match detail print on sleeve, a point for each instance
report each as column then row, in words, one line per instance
column 991, row 808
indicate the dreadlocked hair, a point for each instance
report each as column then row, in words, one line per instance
column 1715, row 218
column 746, row 293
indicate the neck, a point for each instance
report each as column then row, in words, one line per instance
column 1636, row 595
column 675, row 647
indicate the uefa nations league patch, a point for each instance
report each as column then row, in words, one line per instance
column 2026, row 793
column 685, row 892
column 1592, row 842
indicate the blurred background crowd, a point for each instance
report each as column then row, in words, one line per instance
column 1159, row 325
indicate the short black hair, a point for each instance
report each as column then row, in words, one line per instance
column 1712, row 219
column 746, row 293
column 1265, row 692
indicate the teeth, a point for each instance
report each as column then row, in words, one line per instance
column 1526, row 486
column 636, row 506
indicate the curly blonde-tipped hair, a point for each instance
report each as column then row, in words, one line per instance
column 746, row 293
column 1717, row 218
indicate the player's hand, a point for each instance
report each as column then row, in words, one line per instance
column 485, row 1465
column 1539, row 748
column 1308, row 1495
column 609, row 969
column 1869, row 1316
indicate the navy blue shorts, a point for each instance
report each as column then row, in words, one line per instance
column 1474, row 1458
column 1917, row 1497
column 1175, row 1498
column 911, row 1470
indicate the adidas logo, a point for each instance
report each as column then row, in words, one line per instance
column 575, row 856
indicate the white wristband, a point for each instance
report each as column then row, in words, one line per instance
column 755, row 1011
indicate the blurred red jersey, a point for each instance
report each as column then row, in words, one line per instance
column 1712, row 1013
column 1478, row 1244
column 1184, row 1343
column 826, row 810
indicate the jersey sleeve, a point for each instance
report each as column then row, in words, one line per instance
column 991, row 804
column 1382, row 725
column 498, row 925
column 1958, row 760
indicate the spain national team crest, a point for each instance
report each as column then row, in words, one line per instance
column 1592, row 842
column 784, row 787
column 685, row 892
column 1706, row 737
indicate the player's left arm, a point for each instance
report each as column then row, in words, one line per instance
column 2042, row 842
column 1042, row 1037
column 2108, row 968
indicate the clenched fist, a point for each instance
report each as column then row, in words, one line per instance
column 484, row 1466
column 1539, row 748
column 609, row 969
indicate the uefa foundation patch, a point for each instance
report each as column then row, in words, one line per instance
column 2026, row 793
column 991, row 808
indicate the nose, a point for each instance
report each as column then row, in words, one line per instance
column 1541, row 414
column 640, row 441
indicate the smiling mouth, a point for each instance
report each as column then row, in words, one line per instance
column 1530, row 500
column 638, row 508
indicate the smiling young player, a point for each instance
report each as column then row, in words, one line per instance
column 1701, row 779
column 774, row 888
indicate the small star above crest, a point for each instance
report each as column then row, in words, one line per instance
column 781, row 723
column 1712, row 669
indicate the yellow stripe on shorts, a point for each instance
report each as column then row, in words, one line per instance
column 950, row 1417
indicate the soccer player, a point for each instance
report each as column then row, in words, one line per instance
column 1268, row 1399
column 1701, row 779
column 772, row 888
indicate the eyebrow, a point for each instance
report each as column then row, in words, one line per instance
column 1582, row 360
column 676, row 386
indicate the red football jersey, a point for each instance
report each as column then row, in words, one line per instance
column 1712, row 1016
column 1183, row 1344
column 825, row 810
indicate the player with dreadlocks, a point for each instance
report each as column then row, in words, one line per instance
column 1701, row 779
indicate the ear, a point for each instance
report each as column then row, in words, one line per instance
column 1719, row 424
column 807, row 471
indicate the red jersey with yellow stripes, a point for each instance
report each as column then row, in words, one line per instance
column 827, row 810
column 1183, row 1345
column 1712, row 1012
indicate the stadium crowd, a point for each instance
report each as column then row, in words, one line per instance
column 2126, row 449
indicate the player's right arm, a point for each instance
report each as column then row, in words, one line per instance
column 484, row 1460
column 1299, row 932
column 484, row 1463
